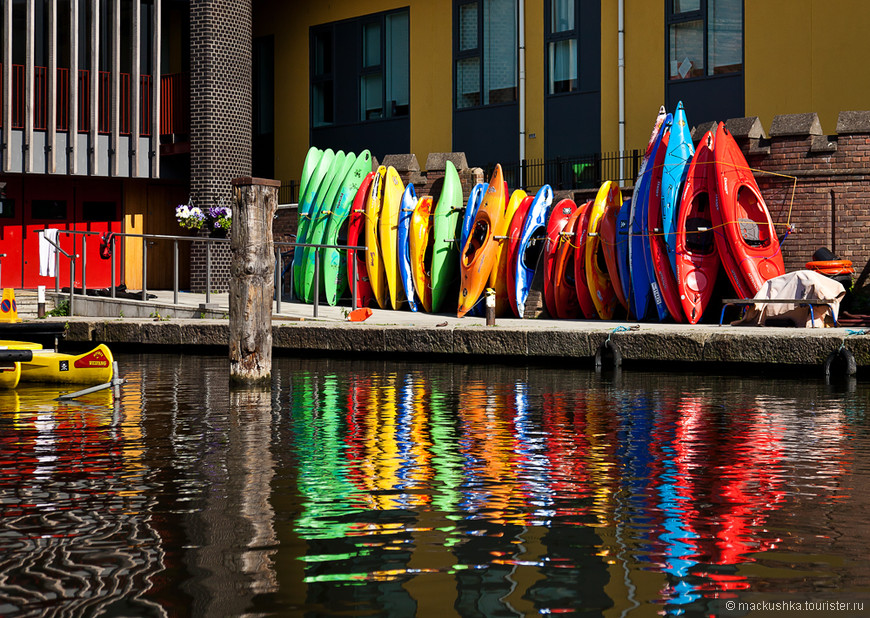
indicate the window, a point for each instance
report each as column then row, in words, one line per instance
column 562, row 47
column 385, row 68
column 485, row 53
column 7, row 208
column 367, row 56
column 48, row 209
column 705, row 38
column 322, row 103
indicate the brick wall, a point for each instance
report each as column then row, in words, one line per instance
column 818, row 183
column 220, row 110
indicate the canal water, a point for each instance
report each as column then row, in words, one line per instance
column 397, row 488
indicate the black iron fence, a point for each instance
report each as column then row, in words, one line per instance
column 569, row 173
column 288, row 192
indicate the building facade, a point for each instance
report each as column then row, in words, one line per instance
column 504, row 80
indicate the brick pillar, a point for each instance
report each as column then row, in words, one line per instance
column 220, row 123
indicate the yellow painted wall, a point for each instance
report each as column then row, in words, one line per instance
column 431, row 81
column 609, row 76
column 806, row 56
column 644, row 69
column 535, row 63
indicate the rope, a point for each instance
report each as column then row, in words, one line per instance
column 621, row 329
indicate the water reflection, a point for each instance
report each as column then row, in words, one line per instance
column 399, row 488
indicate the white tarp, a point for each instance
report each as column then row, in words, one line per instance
column 801, row 284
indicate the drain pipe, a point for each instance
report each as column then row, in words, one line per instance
column 521, row 50
column 621, row 64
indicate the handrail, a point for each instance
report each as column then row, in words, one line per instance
column 277, row 245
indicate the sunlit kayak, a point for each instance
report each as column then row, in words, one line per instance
column 51, row 367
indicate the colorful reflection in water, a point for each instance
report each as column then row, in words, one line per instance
column 405, row 488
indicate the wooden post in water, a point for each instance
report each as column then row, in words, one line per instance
column 252, row 283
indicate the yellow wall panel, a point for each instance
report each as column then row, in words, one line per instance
column 609, row 76
column 535, row 79
column 644, row 69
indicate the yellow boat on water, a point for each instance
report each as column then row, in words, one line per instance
column 51, row 367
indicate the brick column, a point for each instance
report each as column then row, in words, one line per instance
column 220, row 116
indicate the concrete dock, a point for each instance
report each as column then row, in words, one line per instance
column 425, row 336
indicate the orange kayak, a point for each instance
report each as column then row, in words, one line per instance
column 478, row 255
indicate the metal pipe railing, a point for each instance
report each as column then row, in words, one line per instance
column 279, row 275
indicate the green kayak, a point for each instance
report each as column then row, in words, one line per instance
column 334, row 265
column 445, row 251
column 306, row 202
column 318, row 224
column 306, row 218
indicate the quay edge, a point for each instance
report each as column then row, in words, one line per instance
column 516, row 340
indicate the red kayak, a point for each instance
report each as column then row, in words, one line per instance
column 356, row 237
column 658, row 248
column 556, row 224
column 515, row 230
column 584, row 296
column 745, row 236
column 697, row 259
column 610, row 240
column 567, row 304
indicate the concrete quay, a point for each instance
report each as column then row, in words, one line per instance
column 424, row 336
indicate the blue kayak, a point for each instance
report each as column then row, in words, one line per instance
column 641, row 282
column 532, row 240
column 403, row 240
column 677, row 158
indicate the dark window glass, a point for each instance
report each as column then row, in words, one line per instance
column 485, row 53
column 705, row 38
column 54, row 210
column 7, row 208
column 562, row 41
column 99, row 211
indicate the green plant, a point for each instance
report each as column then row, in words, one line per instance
column 159, row 318
column 60, row 309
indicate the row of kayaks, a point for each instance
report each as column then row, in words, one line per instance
column 654, row 256
column 51, row 367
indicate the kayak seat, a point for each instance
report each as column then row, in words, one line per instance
column 750, row 232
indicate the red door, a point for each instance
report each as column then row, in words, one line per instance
column 10, row 235
column 47, row 205
column 98, row 209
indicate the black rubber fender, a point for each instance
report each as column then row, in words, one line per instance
column 840, row 363
column 608, row 355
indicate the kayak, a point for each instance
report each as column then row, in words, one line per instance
column 445, row 226
column 47, row 366
column 697, row 259
column 745, row 237
column 478, row 253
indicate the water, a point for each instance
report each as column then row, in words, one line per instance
column 380, row 488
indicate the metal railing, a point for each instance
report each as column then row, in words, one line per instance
column 567, row 173
column 150, row 238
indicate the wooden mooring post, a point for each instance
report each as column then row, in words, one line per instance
column 252, row 280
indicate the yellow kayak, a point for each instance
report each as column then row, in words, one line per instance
column 10, row 373
column 47, row 366
column 389, row 230
column 374, row 261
